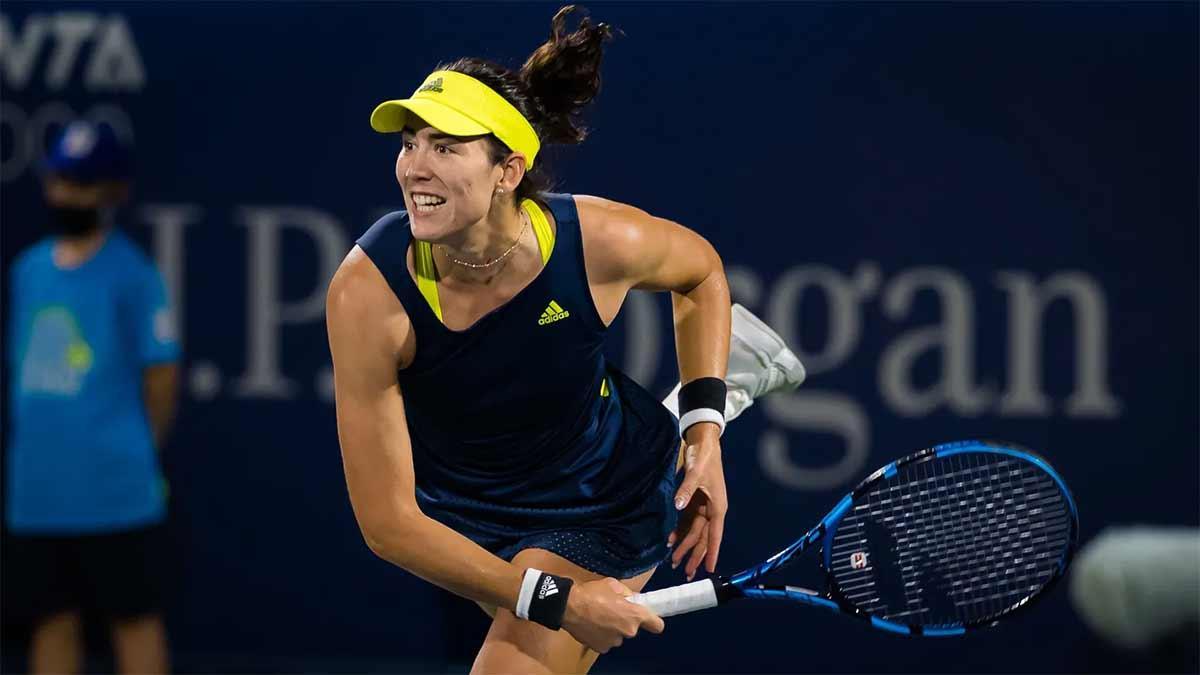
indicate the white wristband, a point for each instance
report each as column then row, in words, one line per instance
column 528, row 585
column 701, row 415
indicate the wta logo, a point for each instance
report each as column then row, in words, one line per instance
column 548, row 588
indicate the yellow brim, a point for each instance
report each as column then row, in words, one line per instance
column 391, row 116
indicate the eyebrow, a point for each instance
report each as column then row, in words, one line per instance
column 434, row 135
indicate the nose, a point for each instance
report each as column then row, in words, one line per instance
column 412, row 165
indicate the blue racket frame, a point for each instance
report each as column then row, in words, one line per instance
column 746, row 583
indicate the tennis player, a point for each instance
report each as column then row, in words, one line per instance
column 488, row 446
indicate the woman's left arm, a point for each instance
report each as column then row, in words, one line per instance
column 630, row 249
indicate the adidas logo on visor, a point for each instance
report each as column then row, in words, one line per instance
column 554, row 312
column 432, row 85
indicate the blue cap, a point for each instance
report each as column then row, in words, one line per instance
column 90, row 152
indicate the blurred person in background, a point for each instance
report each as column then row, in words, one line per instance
column 92, row 355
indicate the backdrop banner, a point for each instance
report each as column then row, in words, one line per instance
column 968, row 220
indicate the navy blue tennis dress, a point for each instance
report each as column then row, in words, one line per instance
column 523, row 436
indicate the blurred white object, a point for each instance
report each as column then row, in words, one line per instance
column 1134, row 585
column 759, row 363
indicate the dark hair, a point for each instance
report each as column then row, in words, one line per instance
column 557, row 81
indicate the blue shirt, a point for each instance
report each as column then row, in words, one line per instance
column 81, row 453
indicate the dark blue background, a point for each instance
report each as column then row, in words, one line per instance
column 971, row 138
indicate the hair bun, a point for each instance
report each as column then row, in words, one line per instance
column 563, row 75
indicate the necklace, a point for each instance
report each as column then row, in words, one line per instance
column 504, row 255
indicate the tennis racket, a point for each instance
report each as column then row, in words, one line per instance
column 948, row 539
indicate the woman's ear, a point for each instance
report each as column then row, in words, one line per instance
column 514, row 171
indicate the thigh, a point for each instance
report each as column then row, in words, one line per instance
column 125, row 572
column 42, row 577
column 516, row 645
column 490, row 610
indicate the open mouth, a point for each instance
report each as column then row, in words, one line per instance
column 426, row 203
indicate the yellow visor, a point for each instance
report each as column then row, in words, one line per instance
column 460, row 105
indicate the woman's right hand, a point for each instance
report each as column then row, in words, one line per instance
column 599, row 616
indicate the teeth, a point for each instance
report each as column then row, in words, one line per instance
column 427, row 200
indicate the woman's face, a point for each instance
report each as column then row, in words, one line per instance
column 448, row 181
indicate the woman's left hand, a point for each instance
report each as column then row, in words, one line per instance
column 702, row 500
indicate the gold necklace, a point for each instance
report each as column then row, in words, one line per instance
column 504, row 255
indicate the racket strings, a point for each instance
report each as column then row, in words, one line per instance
column 1018, row 555
column 930, row 532
column 963, row 550
column 965, row 538
column 964, row 546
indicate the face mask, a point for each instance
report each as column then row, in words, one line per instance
column 73, row 222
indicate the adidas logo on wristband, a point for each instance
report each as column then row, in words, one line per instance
column 543, row 598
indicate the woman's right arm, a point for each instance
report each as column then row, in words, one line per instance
column 368, row 334
column 368, row 330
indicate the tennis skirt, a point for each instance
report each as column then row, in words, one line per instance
column 620, row 539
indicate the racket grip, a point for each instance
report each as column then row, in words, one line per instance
column 679, row 599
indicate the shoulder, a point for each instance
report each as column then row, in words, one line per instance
column 129, row 258
column 360, row 305
column 611, row 222
column 359, row 289
column 31, row 258
column 617, row 237
column 390, row 225
column 359, row 279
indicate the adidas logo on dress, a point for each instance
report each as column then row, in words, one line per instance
column 548, row 588
column 554, row 312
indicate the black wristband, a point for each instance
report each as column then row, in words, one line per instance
column 549, row 601
column 702, row 392
column 702, row 400
column 544, row 600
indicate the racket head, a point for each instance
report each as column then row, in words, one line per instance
column 949, row 539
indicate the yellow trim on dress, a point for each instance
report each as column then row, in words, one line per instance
column 427, row 276
column 427, row 271
column 541, row 228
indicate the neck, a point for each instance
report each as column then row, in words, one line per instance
column 481, row 243
column 70, row 252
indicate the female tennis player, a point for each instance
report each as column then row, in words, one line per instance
column 488, row 446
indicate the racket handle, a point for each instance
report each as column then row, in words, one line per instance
column 679, row 599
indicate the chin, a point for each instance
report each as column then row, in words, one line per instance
column 424, row 232
column 431, row 229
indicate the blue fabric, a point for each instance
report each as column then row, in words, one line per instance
column 513, row 444
column 81, row 455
